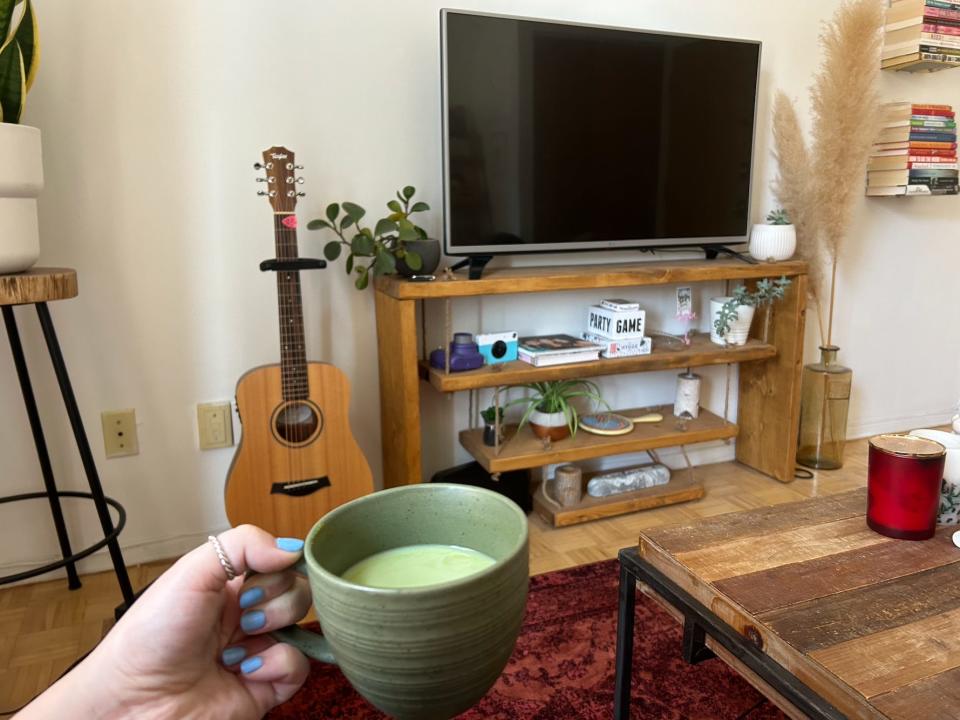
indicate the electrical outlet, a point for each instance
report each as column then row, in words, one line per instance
column 215, row 425
column 120, row 433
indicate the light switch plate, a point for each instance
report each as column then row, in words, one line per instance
column 120, row 433
column 215, row 425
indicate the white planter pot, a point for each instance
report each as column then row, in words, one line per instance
column 552, row 425
column 771, row 243
column 21, row 180
column 739, row 329
column 949, row 511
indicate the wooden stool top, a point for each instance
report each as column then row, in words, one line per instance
column 38, row 285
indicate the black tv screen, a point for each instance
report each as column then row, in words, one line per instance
column 572, row 137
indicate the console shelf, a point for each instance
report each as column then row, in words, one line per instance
column 522, row 449
column 769, row 402
column 667, row 354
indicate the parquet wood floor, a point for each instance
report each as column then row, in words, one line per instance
column 44, row 627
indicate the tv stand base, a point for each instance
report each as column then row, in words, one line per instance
column 476, row 264
column 713, row 250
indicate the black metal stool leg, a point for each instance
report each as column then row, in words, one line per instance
column 19, row 361
column 625, row 618
column 86, row 456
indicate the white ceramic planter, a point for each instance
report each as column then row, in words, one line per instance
column 552, row 425
column 21, row 180
column 739, row 329
column 770, row 243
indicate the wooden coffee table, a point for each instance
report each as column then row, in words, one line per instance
column 826, row 617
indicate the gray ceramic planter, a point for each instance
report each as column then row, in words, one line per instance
column 429, row 252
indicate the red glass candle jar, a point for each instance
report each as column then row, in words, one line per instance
column 903, row 485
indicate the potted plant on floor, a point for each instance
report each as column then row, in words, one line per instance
column 732, row 316
column 395, row 244
column 550, row 410
column 21, row 171
column 775, row 239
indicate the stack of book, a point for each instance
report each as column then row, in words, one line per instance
column 547, row 350
column 618, row 327
column 915, row 153
column 922, row 35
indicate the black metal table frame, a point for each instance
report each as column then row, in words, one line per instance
column 699, row 622
column 110, row 531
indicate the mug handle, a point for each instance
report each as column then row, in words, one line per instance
column 311, row 644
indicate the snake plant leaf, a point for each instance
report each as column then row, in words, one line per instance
column 29, row 41
column 12, row 87
column 7, row 31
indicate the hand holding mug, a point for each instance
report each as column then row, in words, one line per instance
column 196, row 643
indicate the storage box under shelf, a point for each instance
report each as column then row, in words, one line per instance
column 667, row 354
column 523, row 449
column 683, row 487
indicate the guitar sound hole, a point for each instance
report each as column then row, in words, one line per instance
column 297, row 423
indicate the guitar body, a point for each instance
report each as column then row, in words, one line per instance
column 297, row 458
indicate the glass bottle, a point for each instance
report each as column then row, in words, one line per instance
column 824, row 403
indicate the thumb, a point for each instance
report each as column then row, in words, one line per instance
column 246, row 547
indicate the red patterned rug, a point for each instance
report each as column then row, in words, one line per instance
column 563, row 665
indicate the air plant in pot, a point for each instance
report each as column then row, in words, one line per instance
column 492, row 419
column 732, row 316
column 549, row 408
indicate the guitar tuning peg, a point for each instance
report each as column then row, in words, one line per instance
column 261, row 192
column 300, row 181
column 301, row 194
column 258, row 166
column 298, row 167
column 261, row 179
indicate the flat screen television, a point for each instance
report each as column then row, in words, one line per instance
column 559, row 136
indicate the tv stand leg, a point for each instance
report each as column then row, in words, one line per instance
column 475, row 263
column 712, row 251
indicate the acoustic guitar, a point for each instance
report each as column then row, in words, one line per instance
column 297, row 457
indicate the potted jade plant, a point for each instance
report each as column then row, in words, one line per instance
column 21, row 170
column 395, row 244
column 731, row 317
column 550, row 410
column 775, row 239
column 492, row 419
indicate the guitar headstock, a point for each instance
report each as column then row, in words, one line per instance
column 279, row 166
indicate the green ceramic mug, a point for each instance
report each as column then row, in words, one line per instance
column 427, row 652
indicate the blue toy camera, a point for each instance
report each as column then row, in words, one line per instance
column 498, row 347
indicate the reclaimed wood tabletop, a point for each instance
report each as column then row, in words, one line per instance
column 870, row 623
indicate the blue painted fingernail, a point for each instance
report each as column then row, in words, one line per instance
column 251, row 664
column 290, row 544
column 252, row 620
column 233, row 655
column 250, row 597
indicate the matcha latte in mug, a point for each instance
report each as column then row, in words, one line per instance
column 432, row 646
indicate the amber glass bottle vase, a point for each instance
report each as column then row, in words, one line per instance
column 824, row 402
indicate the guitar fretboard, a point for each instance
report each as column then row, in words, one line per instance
column 293, row 355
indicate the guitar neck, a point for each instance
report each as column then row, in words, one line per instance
column 293, row 355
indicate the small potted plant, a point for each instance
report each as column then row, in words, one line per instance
column 21, row 171
column 732, row 316
column 395, row 244
column 549, row 409
column 775, row 239
column 491, row 416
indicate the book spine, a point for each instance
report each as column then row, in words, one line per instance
column 933, row 166
column 939, row 39
column 941, row 29
column 621, row 346
column 918, row 153
column 933, row 137
column 617, row 306
column 942, row 5
column 940, row 58
column 935, row 125
column 941, row 13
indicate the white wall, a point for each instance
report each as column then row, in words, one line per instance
column 152, row 115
